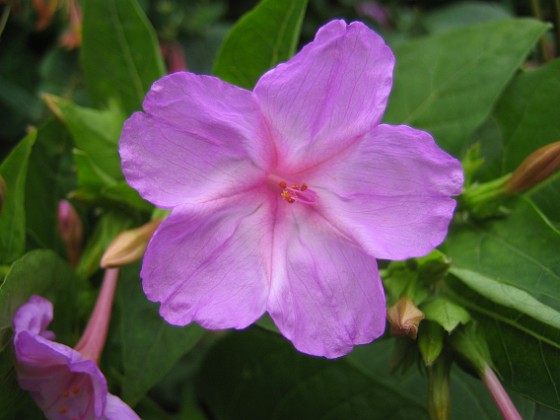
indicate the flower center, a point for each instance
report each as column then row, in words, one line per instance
column 292, row 192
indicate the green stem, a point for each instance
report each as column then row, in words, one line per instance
column 536, row 8
column 4, row 17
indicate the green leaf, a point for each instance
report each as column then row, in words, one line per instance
column 262, row 38
column 445, row 313
column 448, row 18
column 524, row 343
column 50, row 177
column 150, row 346
column 120, row 53
column 520, row 250
column 108, row 227
column 546, row 197
column 95, row 132
column 508, row 296
column 527, row 114
column 12, row 217
column 430, row 341
column 256, row 374
column 43, row 273
column 90, row 175
column 448, row 84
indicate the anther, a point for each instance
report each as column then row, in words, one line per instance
column 76, row 390
column 63, row 410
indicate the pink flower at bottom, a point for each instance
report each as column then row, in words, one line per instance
column 283, row 197
column 60, row 380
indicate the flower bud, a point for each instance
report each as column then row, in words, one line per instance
column 71, row 231
column 536, row 168
column 129, row 245
column 3, row 192
column 404, row 318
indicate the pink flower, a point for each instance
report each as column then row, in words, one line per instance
column 63, row 383
column 282, row 198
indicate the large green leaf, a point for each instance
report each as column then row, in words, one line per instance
column 50, row 177
column 522, row 334
column 265, row 36
column 95, row 132
column 256, row 375
column 520, row 250
column 12, row 217
column 120, row 53
column 527, row 114
column 150, row 346
column 448, row 84
column 546, row 198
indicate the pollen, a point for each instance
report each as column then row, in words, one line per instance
column 296, row 192
column 63, row 410
column 76, row 390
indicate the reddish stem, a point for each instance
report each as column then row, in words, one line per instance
column 93, row 338
column 504, row 403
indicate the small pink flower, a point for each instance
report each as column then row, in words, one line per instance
column 282, row 198
column 63, row 383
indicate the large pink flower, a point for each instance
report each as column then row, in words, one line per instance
column 61, row 381
column 283, row 197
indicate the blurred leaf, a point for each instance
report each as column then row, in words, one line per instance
column 523, row 341
column 12, row 217
column 43, row 273
column 546, row 198
column 527, row 114
column 445, row 313
column 448, row 83
column 150, row 346
column 430, row 341
column 520, row 250
column 50, row 177
column 122, row 193
column 95, row 132
column 120, row 53
column 262, row 38
column 256, row 374
column 108, row 227
column 453, row 16
column 90, row 175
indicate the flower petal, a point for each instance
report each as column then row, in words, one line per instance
column 329, row 94
column 116, row 409
column 51, row 371
column 326, row 294
column 34, row 316
column 391, row 193
column 209, row 263
column 199, row 138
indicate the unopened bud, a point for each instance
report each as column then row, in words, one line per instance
column 3, row 192
column 71, row 231
column 129, row 246
column 404, row 318
column 536, row 168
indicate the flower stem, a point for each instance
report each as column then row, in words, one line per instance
column 499, row 394
column 93, row 339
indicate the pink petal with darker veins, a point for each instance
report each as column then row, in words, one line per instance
column 189, row 148
column 328, row 95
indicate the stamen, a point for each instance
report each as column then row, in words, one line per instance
column 296, row 192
